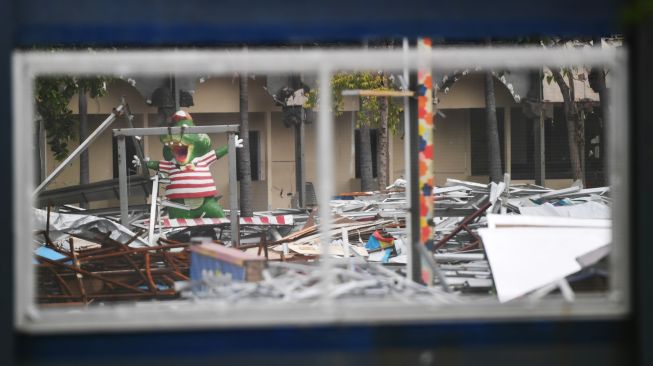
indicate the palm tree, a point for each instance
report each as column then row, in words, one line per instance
column 244, row 163
column 575, row 128
column 494, row 149
column 367, row 176
column 83, row 134
column 382, row 147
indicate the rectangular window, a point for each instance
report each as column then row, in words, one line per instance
column 556, row 145
column 479, row 146
column 374, row 139
column 522, row 141
column 254, row 156
column 595, row 149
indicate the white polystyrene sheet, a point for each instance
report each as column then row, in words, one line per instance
column 501, row 221
column 525, row 259
column 443, row 190
column 587, row 210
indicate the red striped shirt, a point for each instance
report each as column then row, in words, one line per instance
column 193, row 180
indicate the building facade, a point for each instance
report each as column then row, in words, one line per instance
column 460, row 143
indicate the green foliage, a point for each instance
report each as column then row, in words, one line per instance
column 566, row 73
column 53, row 95
column 637, row 12
column 369, row 113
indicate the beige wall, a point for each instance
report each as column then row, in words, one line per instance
column 469, row 92
column 283, row 158
column 215, row 94
column 451, row 145
column 222, row 94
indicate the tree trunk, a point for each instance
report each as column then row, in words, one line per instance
column 572, row 119
column 244, row 163
column 382, row 146
column 580, row 126
column 494, row 148
column 599, row 85
column 367, row 177
column 83, row 134
column 41, row 148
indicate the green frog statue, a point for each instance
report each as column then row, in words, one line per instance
column 187, row 160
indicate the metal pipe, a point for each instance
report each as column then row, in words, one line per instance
column 153, row 210
column 83, row 146
column 233, row 191
column 300, row 174
column 412, row 257
column 89, row 274
column 430, row 262
column 158, row 131
column 122, row 181
column 325, row 173
column 262, row 61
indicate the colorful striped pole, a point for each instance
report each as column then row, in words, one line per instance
column 425, row 154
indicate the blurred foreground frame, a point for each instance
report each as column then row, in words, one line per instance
column 224, row 304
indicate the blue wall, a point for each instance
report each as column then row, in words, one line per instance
column 152, row 22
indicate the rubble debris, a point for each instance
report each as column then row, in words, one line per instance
column 113, row 271
column 60, row 226
column 382, row 241
column 292, row 282
column 461, row 210
column 476, row 252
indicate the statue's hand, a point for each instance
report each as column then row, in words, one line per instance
column 137, row 161
column 239, row 141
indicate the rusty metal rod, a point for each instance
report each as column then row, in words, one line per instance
column 170, row 260
column 166, row 293
column 133, row 250
column 462, row 226
column 182, row 276
column 90, row 274
column 78, row 276
column 121, row 272
column 131, row 261
column 150, row 280
column 62, row 284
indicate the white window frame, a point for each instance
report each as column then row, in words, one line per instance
column 188, row 314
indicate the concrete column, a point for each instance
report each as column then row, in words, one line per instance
column 507, row 140
column 268, row 156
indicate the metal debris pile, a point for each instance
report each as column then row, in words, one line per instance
column 83, row 259
column 84, row 264
column 462, row 209
column 292, row 282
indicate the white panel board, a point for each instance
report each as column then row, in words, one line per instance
column 524, row 259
